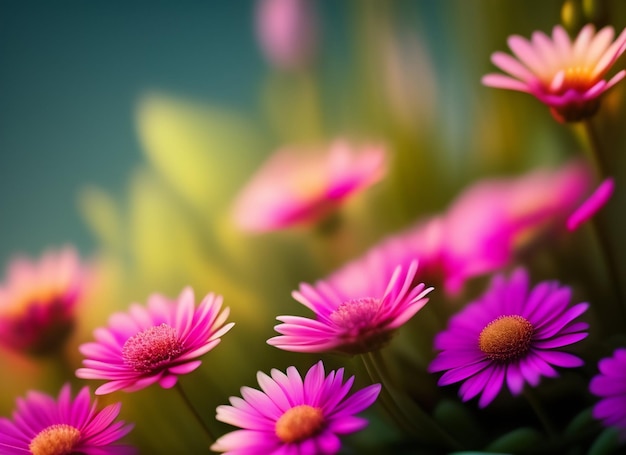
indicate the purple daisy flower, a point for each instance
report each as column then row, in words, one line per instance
column 154, row 344
column 511, row 334
column 292, row 416
column 42, row 425
column 610, row 386
column 356, row 312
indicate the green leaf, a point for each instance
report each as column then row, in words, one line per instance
column 581, row 422
column 606, row 443
column 519, row 440
column 457, row 419
column 204, row 153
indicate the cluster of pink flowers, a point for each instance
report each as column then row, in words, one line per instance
column 511, row 336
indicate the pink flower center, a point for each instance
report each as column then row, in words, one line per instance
column 299, row 423
column 59, row 439
column 152, row 348
column 356, row 315
column 506, row 338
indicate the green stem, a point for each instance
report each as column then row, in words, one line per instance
column 540, row 413
column 599, row 227
column 595, row 148
column 405, row 409
column 385, row 397
column 193, row 410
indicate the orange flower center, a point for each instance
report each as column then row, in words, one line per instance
column 299, row 423
column 59, row 439
column 506, row 338
column 151, row 348
column 578, row 77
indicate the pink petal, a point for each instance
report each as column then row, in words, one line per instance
column 590, row 207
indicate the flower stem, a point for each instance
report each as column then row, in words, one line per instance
column 540, row 413
column 404, row 410
column 595, row 148
column 193, row 410
column 599, row 227
column 385, row 397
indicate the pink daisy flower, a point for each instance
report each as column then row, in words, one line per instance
column 299, row 187
column 38, row 299
column 592, row 204
column 294, row 416
column 512, row 334
column 610, row 386
column 154, row 343
column 360, row 314
column 42, row 425
column 565, row 75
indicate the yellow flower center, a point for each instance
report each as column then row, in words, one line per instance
column 59, row 439
column 506, row 338
column 299, row 423
column 151, row 348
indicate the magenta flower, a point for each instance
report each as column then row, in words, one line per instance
column 38, row 300
column 511, row 334
column 287, row 32
column 358, row 315
column 592, row 204
column 485, row 228
column 610, row 386
column 298, row 187
column 42, row 425
column 154, row 343
column 292, row 416
column 565, row 75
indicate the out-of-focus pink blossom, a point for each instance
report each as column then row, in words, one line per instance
column 483, row 230
column 299, row 186
column 287, row 32
column 566, row 75
column 38, row 300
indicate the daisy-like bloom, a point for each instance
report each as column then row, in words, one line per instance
column 592, row 204
column 287, row 32
column 299, row 186
column 38, row 300
column 42, row 425
column 610, row 386
column 513, row 334
column 154, row 343
column 356, row 314
column 566, row 75
column 294, row 416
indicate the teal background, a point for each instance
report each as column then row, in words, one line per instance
column 70, row 75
